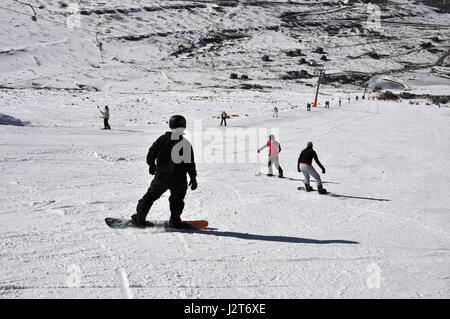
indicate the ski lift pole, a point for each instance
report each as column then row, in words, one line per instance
column 100, row 46
column 101, row 52
column 34, row 17
column 317, row 91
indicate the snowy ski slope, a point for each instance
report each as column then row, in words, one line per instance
column 386, row 161
column 384, row 233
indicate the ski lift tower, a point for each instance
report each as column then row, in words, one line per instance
column 320, row 71
column 34, row 16
column 100, row 46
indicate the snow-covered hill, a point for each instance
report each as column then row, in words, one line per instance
column 159, row 45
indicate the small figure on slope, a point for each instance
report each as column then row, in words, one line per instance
column 274, row 151
column 275, row 112
column 105, row 115
column 223, row 116
column 304, row 165
column 174, row 158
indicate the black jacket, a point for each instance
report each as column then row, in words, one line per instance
column 307, row 155
column 165, row 166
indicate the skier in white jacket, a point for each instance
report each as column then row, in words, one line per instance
column 274, row 151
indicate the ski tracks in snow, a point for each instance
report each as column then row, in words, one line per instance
column 120, row 273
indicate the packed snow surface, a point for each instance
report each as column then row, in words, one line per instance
column 384, row 233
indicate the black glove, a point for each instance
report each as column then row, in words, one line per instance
column 258, row 151
column 323, row 170
column 152, row 170
column 193, row 184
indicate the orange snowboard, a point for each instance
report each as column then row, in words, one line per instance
column 196, row 224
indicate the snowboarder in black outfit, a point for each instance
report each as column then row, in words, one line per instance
column 304, row 165
column 174, row 158
column 308, row 106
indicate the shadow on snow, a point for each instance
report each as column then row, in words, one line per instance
column 359, row 197
column 280, row 239
column 302, row 180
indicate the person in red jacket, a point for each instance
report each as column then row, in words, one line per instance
column 274, row 151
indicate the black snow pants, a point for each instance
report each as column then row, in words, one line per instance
column 106, row 124
column 158, row 187
column 224, row 120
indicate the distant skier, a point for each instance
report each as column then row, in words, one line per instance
column 105, row 115
column 308, row 106
column 327, row 104
column 224, row 116
column 340, row 102
column 174, row 158
column 304, row 165
column 275, row 112
column 274, row 151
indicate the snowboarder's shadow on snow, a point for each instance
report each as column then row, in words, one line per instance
column 359, row 197
column 128, row 131
column 302, row 180
column 297, row 179
column 280, row 239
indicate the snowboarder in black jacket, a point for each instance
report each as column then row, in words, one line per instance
column 174, row 158
column 304, row 165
